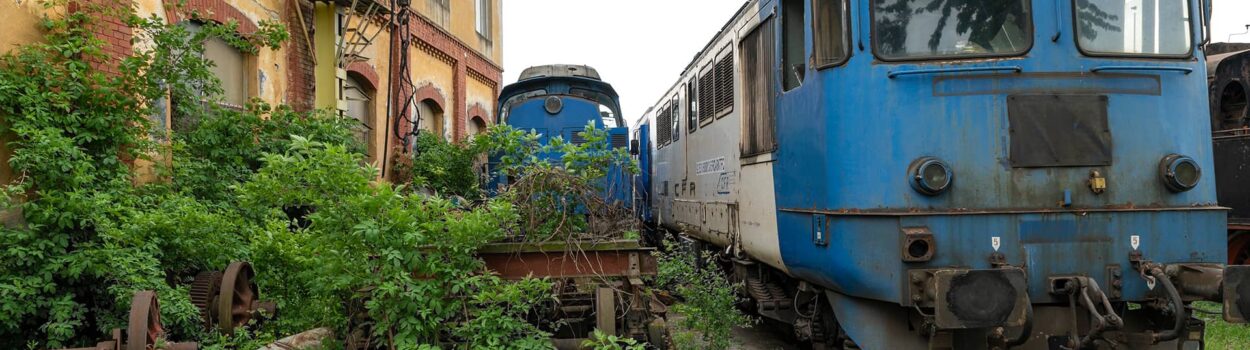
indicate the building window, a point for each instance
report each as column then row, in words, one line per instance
column 440, row 11
column 484, row 18
column 229, row 66
column 360, row 107
column 430, row 118
column 477, row 125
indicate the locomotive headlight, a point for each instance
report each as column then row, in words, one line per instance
column 553, row 104
column 930, row 176
column 1180, row 173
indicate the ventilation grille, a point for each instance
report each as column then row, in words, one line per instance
column 707, row 99
column 725, row 85
column 620, row 141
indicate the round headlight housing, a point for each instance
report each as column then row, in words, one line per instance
column 930, row 176
column 1179, row 173
column 553, row 104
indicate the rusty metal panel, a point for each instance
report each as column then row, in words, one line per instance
column 1059, row 130
column 569, row 260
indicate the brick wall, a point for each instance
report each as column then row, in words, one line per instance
column 109, row 28
column 301, row 80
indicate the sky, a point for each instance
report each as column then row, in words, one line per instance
column 641, row 46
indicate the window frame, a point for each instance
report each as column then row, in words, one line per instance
column 692, row 99
column 1076, row 39
column 1030, row 33
column 847, row 35
column 484, row 18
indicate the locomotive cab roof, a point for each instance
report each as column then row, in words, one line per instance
column 579, row 81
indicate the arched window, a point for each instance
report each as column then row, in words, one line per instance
column 431, row 117
column 359, row 97
column 229, row 66
column 477, row 125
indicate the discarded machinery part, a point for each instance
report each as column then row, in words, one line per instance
column 229, row 299
column 204, row 288
column 309, row 339
column 234, row 304
column 144, row 327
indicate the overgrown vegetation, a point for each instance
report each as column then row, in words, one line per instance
column 282, row 189
column 708, row 300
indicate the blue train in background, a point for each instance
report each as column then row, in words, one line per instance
column 953, row 174
column 559, row 101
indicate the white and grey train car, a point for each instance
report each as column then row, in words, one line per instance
column 701, row 185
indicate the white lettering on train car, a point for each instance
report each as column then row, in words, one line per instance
column 710, row 166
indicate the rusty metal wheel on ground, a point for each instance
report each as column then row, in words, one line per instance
column 235, row 303
column 144, row 326
column 1239, row 248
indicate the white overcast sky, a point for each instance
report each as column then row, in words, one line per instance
column 640, row 46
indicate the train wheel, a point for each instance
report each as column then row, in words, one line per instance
column 1239, row 248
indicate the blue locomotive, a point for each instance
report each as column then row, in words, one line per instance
column 954, row 174
column 559, row 100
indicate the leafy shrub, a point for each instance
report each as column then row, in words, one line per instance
column 443, row 167
column 709, row 300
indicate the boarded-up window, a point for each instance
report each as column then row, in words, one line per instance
column 829, row 32
column 725, row 83
column 758, row 134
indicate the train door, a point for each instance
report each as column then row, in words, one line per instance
column 755, row 211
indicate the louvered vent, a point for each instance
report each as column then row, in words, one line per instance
column 707, row 96
column 725, row 85
column 620, row 141
column 577, row 138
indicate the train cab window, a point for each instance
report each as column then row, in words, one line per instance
column 609, row 118
column 692, row 106
column 829, row 33
column 911, row 30
column 1134, row 27
column 675, row 111
column 792, row 54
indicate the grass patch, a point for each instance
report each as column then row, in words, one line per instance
column 1223, row 335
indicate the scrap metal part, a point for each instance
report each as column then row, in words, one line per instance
column 143, row 331
column 229, row 299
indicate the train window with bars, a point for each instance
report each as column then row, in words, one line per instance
column 725, row 83
column 758, row 120
column 692, row 106
column 707, row 96
column 829, row 33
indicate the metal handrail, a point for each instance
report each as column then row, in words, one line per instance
column 896, row 74
column 1185, row 70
